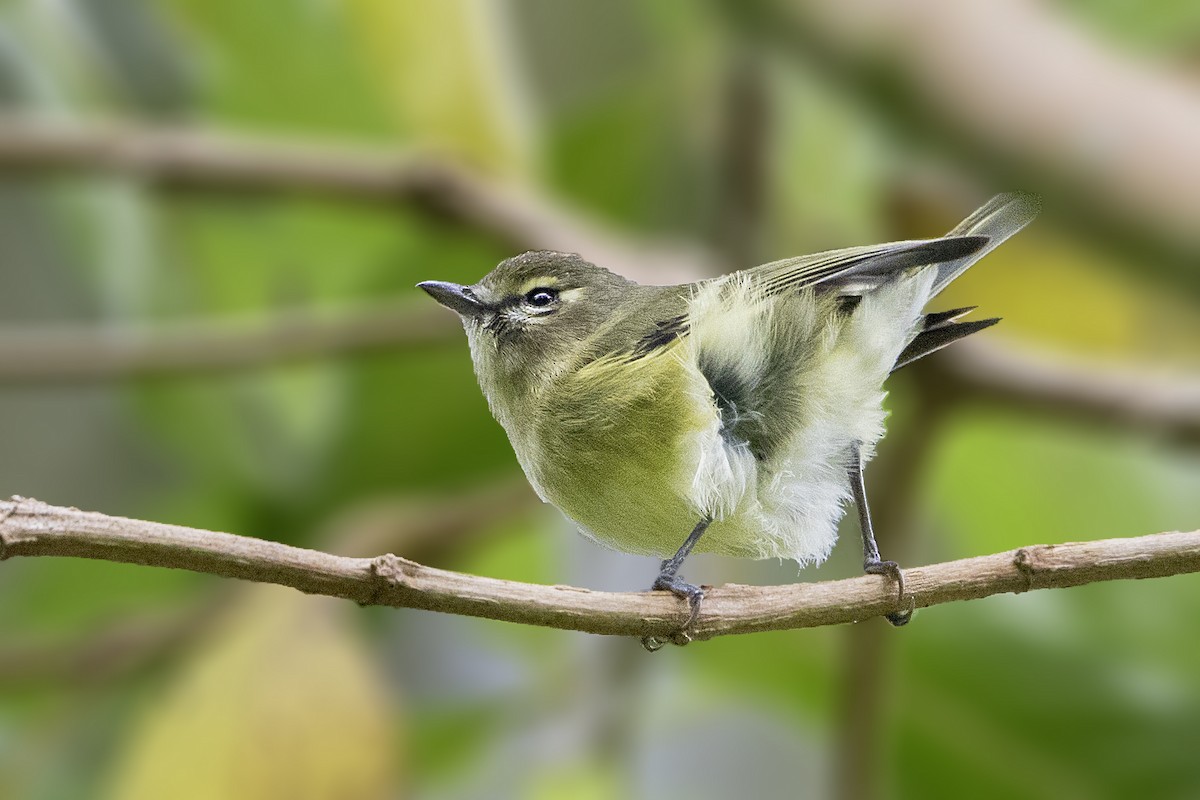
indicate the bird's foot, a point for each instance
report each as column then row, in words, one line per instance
column 892, row 570
column 686, row 591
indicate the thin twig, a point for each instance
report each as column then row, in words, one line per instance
column 32, row 528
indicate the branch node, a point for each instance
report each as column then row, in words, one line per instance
column 390, row 571
column 16, row 501
column 1023, row 561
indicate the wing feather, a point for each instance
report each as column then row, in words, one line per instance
column 868, row 265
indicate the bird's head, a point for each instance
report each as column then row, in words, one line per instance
column 527, row 319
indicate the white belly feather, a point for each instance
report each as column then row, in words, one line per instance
column 789, row 506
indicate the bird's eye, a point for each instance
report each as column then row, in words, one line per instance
column 541, row 296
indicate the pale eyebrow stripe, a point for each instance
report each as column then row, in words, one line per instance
column 548, row 281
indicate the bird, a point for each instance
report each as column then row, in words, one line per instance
column 733, row 415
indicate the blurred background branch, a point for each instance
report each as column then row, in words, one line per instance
column 983, row 372
column 33, row 354
column 199, row 160
column 30, row 354
column 1017, row 93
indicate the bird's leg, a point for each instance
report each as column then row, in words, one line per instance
column 668, row 579
column 872, row 564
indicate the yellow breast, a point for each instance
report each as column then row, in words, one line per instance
column 612, row 446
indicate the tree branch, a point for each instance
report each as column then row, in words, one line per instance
column 32, row 528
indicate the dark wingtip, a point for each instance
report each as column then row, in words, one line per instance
column 963, row 246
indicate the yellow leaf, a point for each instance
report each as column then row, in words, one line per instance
column 586, row 780
column 447, row 70
column 283, row 702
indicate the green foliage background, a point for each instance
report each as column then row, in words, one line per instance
column 126, row 682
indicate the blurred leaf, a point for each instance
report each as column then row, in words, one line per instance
column 445, row 743
column 267, row 435
column 76, row 594
column 1003, row 482
column 280, row 66
column 1173, row 25
column 610, row 158
column 1055, row 291
column 448, row 76
column 578, row 781
column 421, row 422
column 283, row 702
column 792, row 670
column 630, row 93
column 819, row 139
column 244, row 254
column 1015, row 696
column 136, row 49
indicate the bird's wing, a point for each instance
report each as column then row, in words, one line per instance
column 848, row 271
column 856, row 269
column 645, row 327
column 851, row 271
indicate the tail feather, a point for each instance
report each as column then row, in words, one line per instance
column 940, row 319
column 944, row 332
column 998, row 219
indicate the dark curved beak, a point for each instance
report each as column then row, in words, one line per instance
column 457, row 298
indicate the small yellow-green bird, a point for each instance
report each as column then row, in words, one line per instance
column 732, row 415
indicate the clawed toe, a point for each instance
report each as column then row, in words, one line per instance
column 892, row 570
column 899, row 618
column 683, row 590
